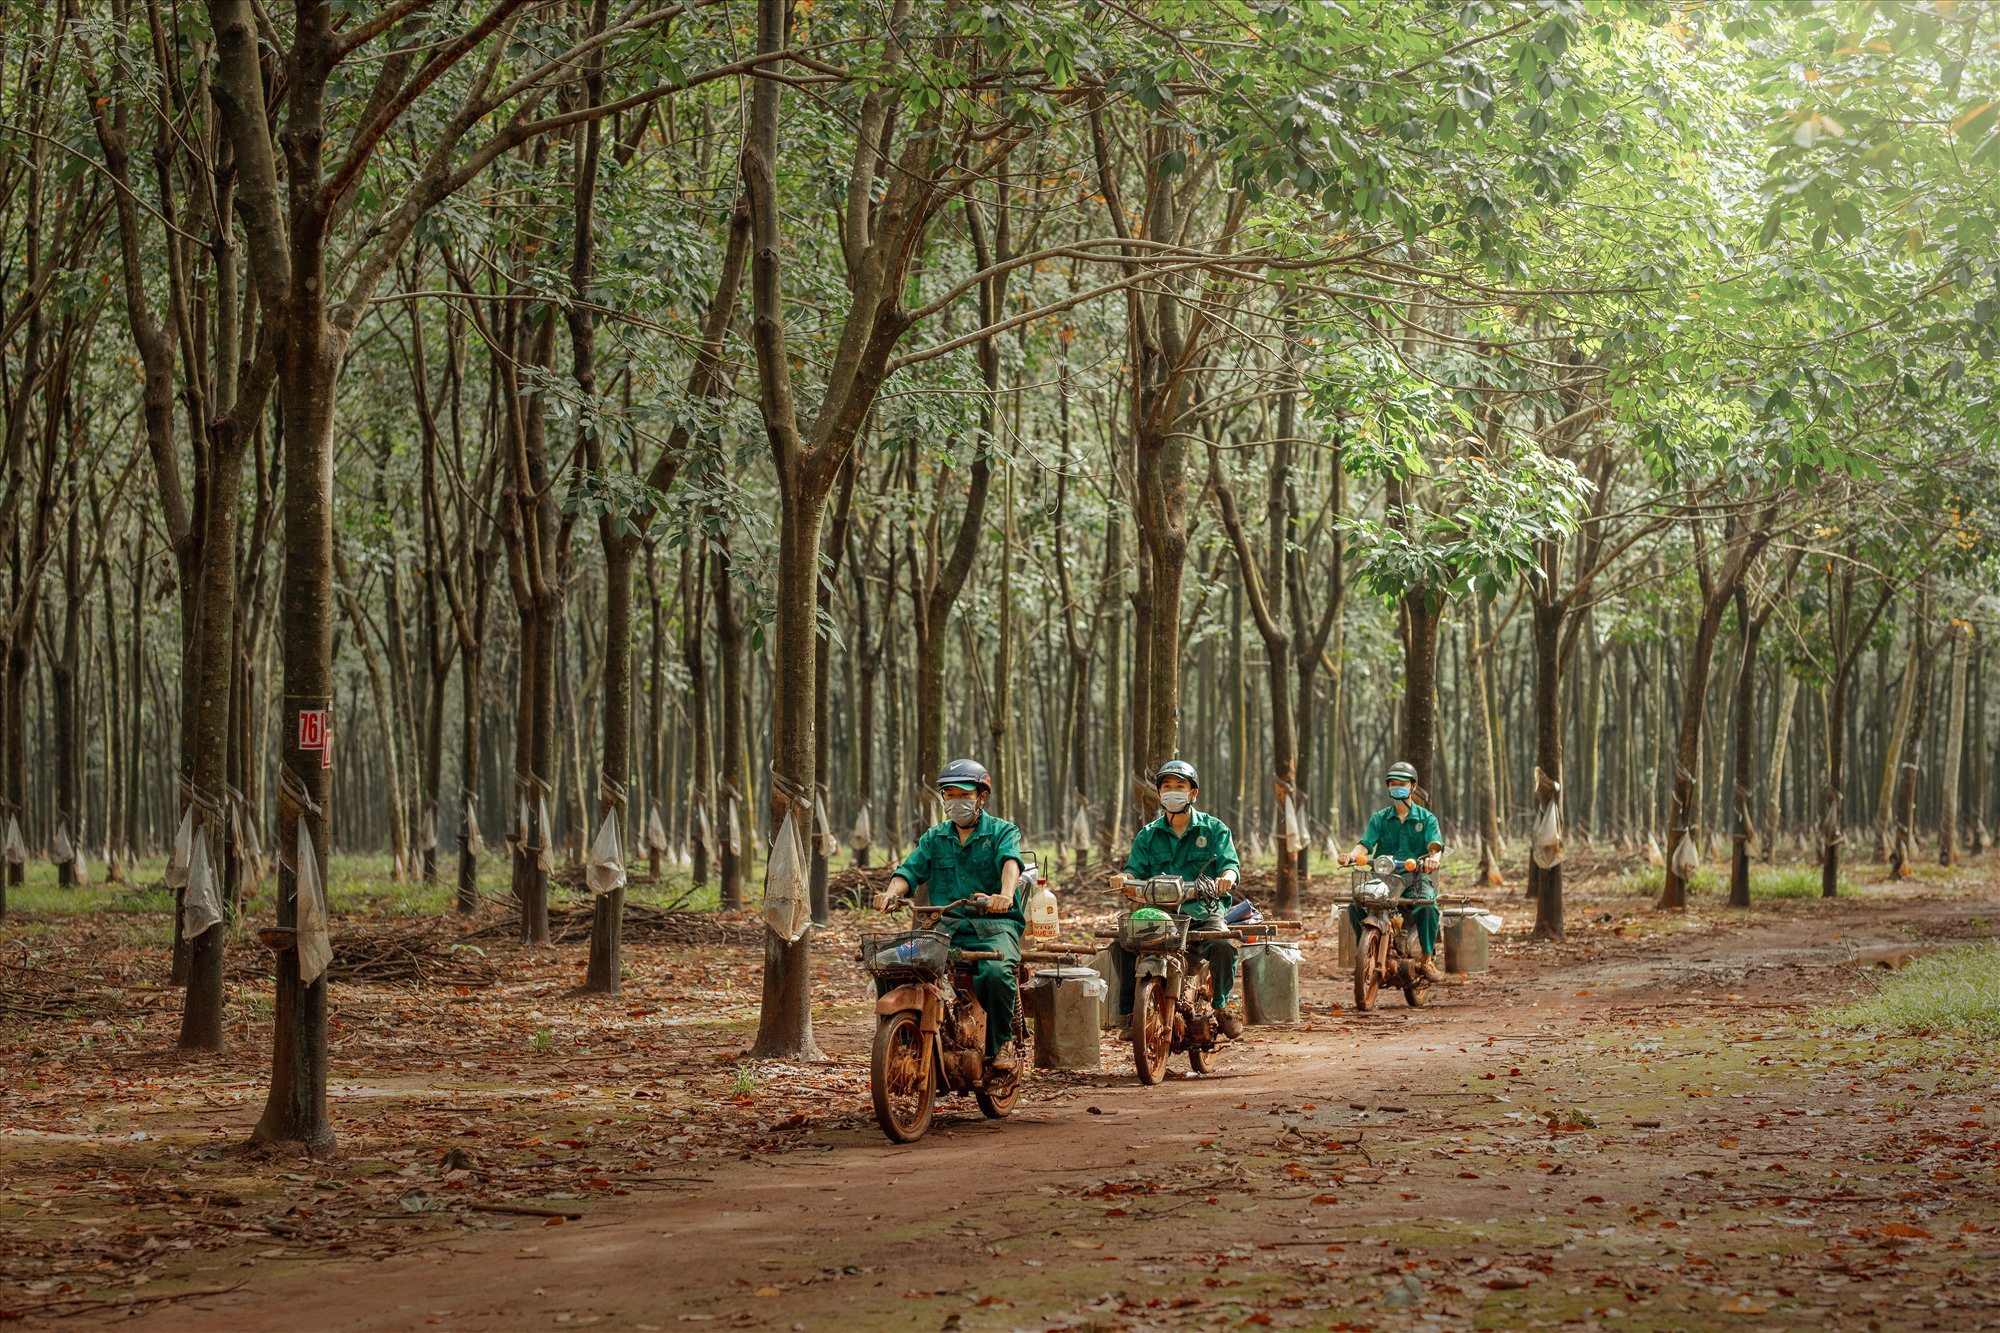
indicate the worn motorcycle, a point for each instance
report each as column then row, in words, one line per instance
column 1171, row 994
column 930, row 1030
column 1388, row 951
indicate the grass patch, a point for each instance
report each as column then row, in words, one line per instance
column 1956, row 991
column 1787, row 881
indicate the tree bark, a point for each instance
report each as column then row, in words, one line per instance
column 1774, row 778
column 1954, row 745
column 733, row 813
column 1278, row 660
column 1744, row 732
column 1909, row 756
column 1545, row 883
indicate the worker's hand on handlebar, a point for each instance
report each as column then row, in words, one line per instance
column 888, row 900
column 1432, row 862
column 994, row 903
column 1123, row 882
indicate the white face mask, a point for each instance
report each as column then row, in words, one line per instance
column 1173, row 802
column 962, row 811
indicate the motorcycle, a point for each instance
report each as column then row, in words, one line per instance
column 1171, row 999
column 930, row 1030
column 1387, row 951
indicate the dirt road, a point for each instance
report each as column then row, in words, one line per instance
column 1644, row 1130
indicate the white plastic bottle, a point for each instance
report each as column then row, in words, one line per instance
column 1044, row 921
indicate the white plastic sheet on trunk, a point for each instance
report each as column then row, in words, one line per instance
column 1079, row 830
column 858, row 839
column 787, row 897
column 1547, row 843
column 63, row 849
column 201, row 906
column 605, row 870
column 733, row 832
column 656, row 830
column 823, row 829
column 315, row 948
column 473, row 842
column 16, row 850
column 1687, row 856
column 427, row 831
column 545, row 853
column 183, row 852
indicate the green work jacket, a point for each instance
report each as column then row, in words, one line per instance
column 949, row 870
column 1409, row 839
column 1205, row 849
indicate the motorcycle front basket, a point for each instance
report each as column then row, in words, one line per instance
column 911, row 954
column 1154, row 936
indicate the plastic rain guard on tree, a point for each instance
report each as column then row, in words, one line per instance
column 202, row 906
column 787, row 898
column 606, row 870
column 315, row 948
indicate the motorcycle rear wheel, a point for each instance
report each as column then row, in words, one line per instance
column 1419, row 995
column 1367, row 967
column 1152, row 1029
column 902, row 1078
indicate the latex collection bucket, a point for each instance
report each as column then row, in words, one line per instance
column 1467, row 931
column 1067, row 1004
column 1270, row 976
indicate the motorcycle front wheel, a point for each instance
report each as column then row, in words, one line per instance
column 902, row 1078
column 1419, row 995
column 1152, row 1029
column 1367, row 966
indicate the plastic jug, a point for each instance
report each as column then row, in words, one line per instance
column 1044, row 921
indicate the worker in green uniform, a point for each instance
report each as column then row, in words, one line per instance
column 973, row 861
column 1197, row 847
column 1408, row 832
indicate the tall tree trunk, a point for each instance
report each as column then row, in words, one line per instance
column 1892, row 753
column 701, row 823
column 1422, row 616
column 1774, row 777
column 1744, row 732
column 1486, row 778
column 1909, row 755
column 1545, row 883
column 733, row 822
column 1279, row 666
column 1954, row 745
column 607, row 917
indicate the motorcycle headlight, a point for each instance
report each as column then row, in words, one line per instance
column 1384, row 865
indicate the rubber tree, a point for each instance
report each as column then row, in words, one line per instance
column 1277, row 652
column 1747, row 530
column 295, row 221
column 1849, row 629
column 1753, row 613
